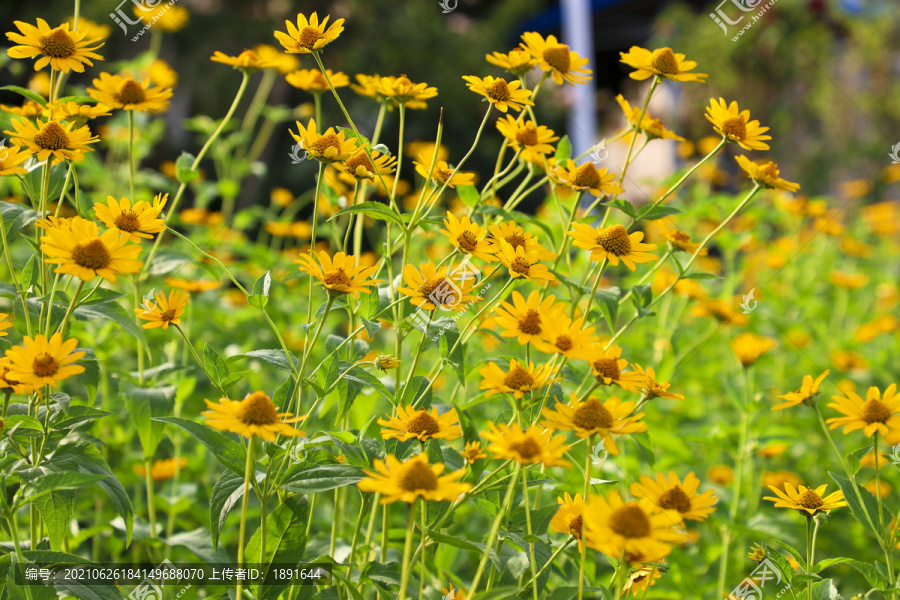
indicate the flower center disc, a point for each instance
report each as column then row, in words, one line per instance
column 515, row 240
column 810, row 499
column 329, row 140
column 257, row 409
column 586, row 176
column 308, row 38
column 575, row 526
column 630, row 521
column 167, row 315
column 360, row 160
column 498, row 91
column 58, row 44
column 44, row 365
column 608, row 368
column 527, row 136
column 467, row 241
column 592, row 415
column 338, row 277
column 615, row 240
column 875, row 411
column 521, row 265
column 52, row 136
column 518, row 378
column 128, row 221
column 664, row 61
column 735, row 127
column 418, row 476
column 675, row 498
column 92, row 255
column 423, row 423
column 528, row 449
column 530, row 323
column 558, row 57
column 131, row 92
column 564, row 343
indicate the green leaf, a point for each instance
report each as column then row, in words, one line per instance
column 183, row 168
column 825, row 590
column 871, row 504
column 23, row 421
column 111, row 312
column 230, row 453
column 56, row 510
column 285, row 539
column 383, row 149
column 563, row 150
column 456, row 360
column 625, row 206
column 321, row 478
column 824, row 564
column 215, row 365
column 656, row 212
column 144, row 404
column 33, row 96
column 781, row 563
column 468, row 194
column 77, row 415
column 274, row 357
column 260, row 295
column 376, row 210
column 700, row 276
column 16, row 217
column 497, row 593
column 364, row 378
column 30, row 273
column 56, row 480
column 871, row 574
column 793, row 551
column 226, row 492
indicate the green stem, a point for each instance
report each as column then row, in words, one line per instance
column 534, row 586
column 151, row 511
column 131, row 155
column 495, row 527
column 20, row 559
column 588, row 462
column 407, row 549
column 248, row 470
column 199, row 360
column 809, row 544
column 72, row 303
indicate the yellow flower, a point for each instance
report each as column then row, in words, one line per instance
column 806, row 499
column 569, row 517
column 162, row 470
column 11, row 158
column 161, row 74
column 516, row 62
column 766, row 174
column 472, row 452
column 608, row 367
column 849, row 281
column 653, row 128
column 507, row 232
column 309, row 36
column 526, row 320
column 524, row 263
column 735, row 125
column 533, row 141
column 670, row 493
column 28, row 109
column 721, row 474
column 847, row 360
column 39, row 361
column 468, row 237
column 74, row 112
column 5, row 324
column 641, row 579
column 9, row 384
column 400, row 90
column 757, row 553
column 519, row 379
column 192, row 287
column 875, row 487
column 748, row 347
column 877, row 414
column 247, row 60
column 90, row 28
column 720, row 310
column 772, row 450
column 421, row 425
column 413, row 479
column 80, row 250
column 455, row 594
column 431, row 287
column 552, row 57
column 167, row 17
column 500, row 93
column 807, row 394
column 592, row 417
column 653, row 388
column 254, row 416
column 164, row 311
column 869, row 460
column 339, row 274
column 359, row 167
column 586, row 178
column 328, row 147
column 62, row 49
column 135, row 222
column 613, row 243
column 128, row 93
column 662, row 62
column 526, row 447
column 562, row 335
column 444, row 174
column 679, row 239
column 51, row 138
column 386, row 362
column 314, row 81
column 636, row 527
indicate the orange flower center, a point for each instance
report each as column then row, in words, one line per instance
column 592, row 415
column 615, row 240
column 418, row 477
column 518, row 379
column 423, row 424
column 664, row 61
column 586, row 176
column 770, row 169
column 564, row 343
column 527, row 136
column 630, row 521
column 676, row 499
column 558, row 57
column 52, row 136
column 329, row 140
column 257, row 409
column 735, row 127
column 575, row 526
column 810, row 499
column 308, row 38
column 530, row 323
column 875, row 411
column 128, row 221
column 92, row 255
column 58, row 44
column 356, row 161
column 528, row 449
column 521, row 265
column 428, row 288
column 44, row 365
column 498, row 91
column 131, row 92
column 467, row 241
column 337, row 278
column 167, row 315
column 515, row 240
column 607, row 368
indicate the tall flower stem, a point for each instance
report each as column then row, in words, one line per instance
column 131, row 155
column 307, row 349
column 495, row 527
column 407, row 549
column 72, row 304
column 14, row 530
column 888, row 551
column 199, row 361
column 312, row 240
column 148, row 482
column 588, row 462
column 534, row 583
column 248, row 469
column 621, row 573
